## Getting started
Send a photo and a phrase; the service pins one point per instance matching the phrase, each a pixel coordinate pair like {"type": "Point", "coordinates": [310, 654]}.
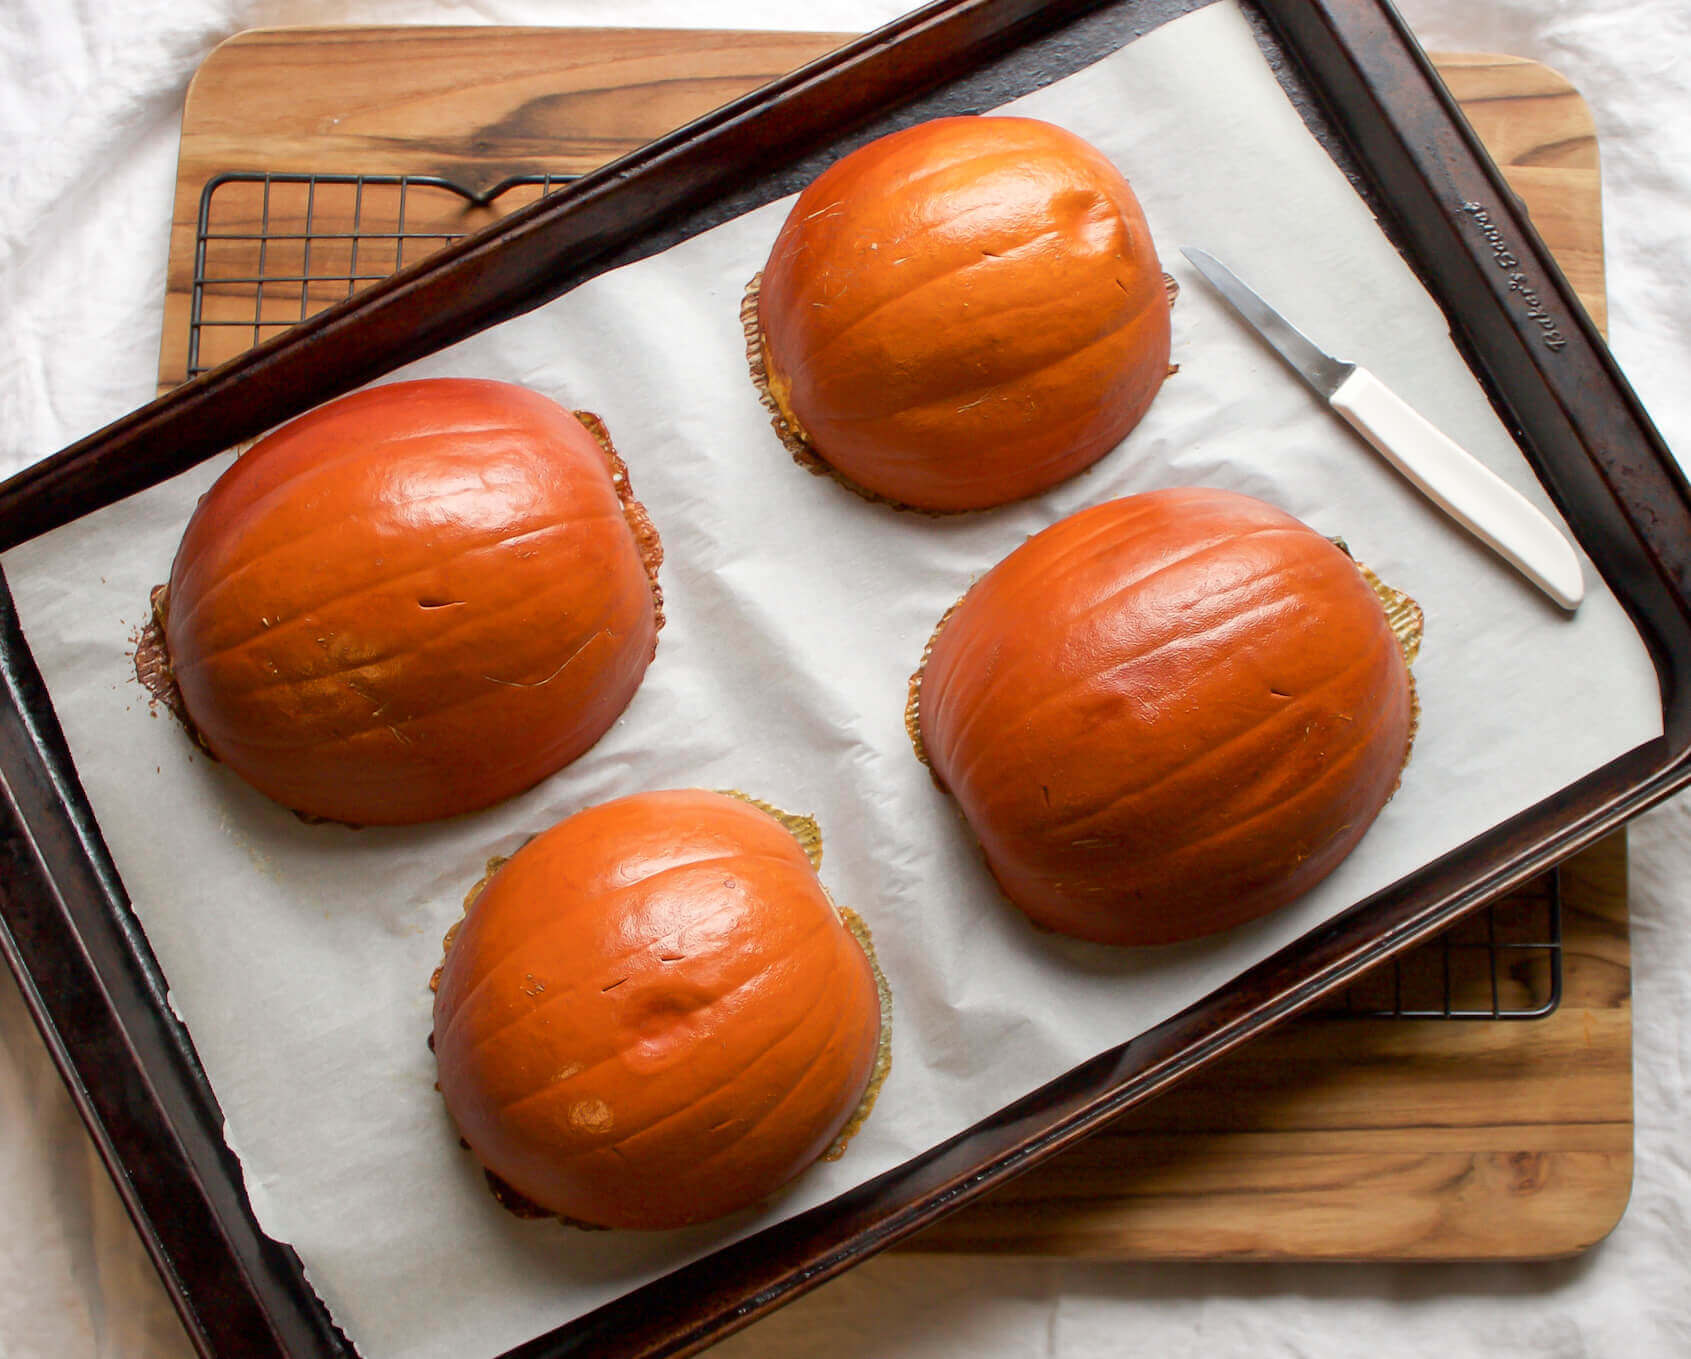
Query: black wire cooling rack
{"type": "Point", "coordinates": [1502, 962]}
{"type": "Point", "coordinates": [275, 248]}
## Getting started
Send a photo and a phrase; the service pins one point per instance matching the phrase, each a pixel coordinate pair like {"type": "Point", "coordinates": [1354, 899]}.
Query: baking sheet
{"type": "Point", "coordinates": [299, 955]}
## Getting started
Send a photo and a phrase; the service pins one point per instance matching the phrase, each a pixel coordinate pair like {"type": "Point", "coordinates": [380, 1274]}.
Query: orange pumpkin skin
{"type": "Point", "coordinates": [1166, 715]}
{"type": "Point", "coordinates": [652, 1015]}
{"type": "Point", "coordinates": [965, 313]}
{"type": "Point", "coordinates": [410, 603]}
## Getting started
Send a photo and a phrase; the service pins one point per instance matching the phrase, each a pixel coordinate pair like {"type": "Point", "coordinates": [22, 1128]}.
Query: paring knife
{"type": "Point", "coordinates": [1464, 488]}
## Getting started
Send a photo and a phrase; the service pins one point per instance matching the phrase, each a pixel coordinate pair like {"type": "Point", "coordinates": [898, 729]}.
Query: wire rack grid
{"type": "Point", "coordinates": [272, 249]}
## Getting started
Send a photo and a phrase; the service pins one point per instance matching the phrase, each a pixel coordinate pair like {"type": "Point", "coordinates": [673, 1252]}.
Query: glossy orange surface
{"type": "Point", "coordinates": [652, 1015]}
{"type": "Point", "coordinates": [1167, 714]}
{"type": "Point", "coordinates": [411, 602]}
{"type": "Point", "coordinates": [965, 312]}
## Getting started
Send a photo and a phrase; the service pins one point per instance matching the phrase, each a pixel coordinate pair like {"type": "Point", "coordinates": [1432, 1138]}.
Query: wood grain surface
{"type": "Point", "coordinates": [1330, 1138]}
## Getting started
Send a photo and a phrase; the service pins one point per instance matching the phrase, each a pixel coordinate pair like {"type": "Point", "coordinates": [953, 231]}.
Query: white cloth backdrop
{"type": "Point", "coordinates": [90, 98]}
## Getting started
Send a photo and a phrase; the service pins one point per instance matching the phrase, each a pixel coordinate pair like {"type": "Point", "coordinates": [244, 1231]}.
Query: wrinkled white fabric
{"type": "Point", "coordinates": [90, 97]}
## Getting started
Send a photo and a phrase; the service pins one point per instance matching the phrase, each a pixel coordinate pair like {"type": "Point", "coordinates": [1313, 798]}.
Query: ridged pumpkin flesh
{"type": "Point", "coordinates": [652, 1015]}
{"type": "Point", "coordinates": [965, 312]}
{"type": "Point", "coordinates": [1166, 715]}
{"type": "Point", "coordinates": [412, 602]}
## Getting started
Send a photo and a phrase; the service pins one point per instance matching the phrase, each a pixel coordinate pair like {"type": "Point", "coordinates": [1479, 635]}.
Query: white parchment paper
{"type": "Point", "coordinates": [299, 955]}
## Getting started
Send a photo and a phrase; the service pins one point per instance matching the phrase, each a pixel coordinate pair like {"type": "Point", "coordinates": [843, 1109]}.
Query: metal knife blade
{"type": "Point", "coordinates": [1447, 474]}
{"type": "Point", "coordinates": [1315, 366]}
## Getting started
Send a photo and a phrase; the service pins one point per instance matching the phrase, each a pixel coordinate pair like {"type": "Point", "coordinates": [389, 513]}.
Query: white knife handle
{"type": "Point", "coordinates": [1468, 491]}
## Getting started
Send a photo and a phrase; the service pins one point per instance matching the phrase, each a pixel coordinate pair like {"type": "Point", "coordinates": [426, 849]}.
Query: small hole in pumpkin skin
{"type": "Point", "coordinates": [429, 602]}
{"type": "Point", "coordinates": [1279, 693]}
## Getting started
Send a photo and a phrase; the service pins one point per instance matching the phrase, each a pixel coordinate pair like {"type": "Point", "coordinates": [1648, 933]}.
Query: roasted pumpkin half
{"type": "Point", "coordinates": [412, 602]}
{"type": "Point", "coordinates": [964, 313]}
{"type": "Point", "coordinates": [652, 1014]}
{"type": "Point", "coordinates": [1167, 714]}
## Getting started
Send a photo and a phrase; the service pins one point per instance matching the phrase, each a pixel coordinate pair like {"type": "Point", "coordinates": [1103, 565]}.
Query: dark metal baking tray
{"type": "Point", "coordinates": [1366, 91]}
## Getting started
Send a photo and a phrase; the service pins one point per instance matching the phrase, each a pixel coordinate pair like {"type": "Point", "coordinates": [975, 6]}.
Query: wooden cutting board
{"type": "Point", "coordinates": [1334, 1138]}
